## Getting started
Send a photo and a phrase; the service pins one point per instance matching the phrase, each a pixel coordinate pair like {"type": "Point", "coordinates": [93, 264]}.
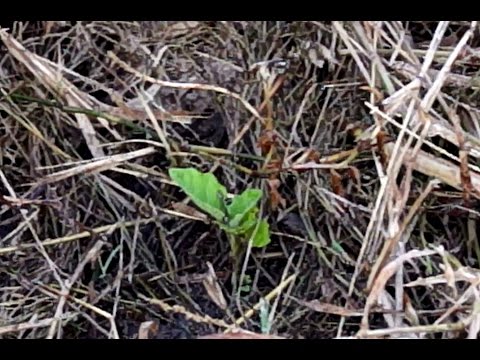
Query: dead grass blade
{"type": "Point", "coordinates": [458, 326]}
{"type": "Point", "coordinates": [56, 85]}
{"type": "Point", "coordinates": [77, 236]}
{"type": "Point", "coordinates": [438, 168]}
{"type": "Point", "coordinates": [385, 274]}
{"type": "Point", "coordinates": [474, 328]}
{"type": "Point", "coordinates": [353, 49]}
{"type": "Point", "coordinates": [96, 166]}
{"type": "Point", "coordinates": [91, 256]}
{"type": "Point", "coordinates": [327, 308]}
{"type": "Point", "coordinates": [35, 324]}
{"type": "Point", "coordinates": [213, 289]}
{"type": "Point", "coordinates": [55, 293]}
{"type": "Point", "coordinates": [392, 242]}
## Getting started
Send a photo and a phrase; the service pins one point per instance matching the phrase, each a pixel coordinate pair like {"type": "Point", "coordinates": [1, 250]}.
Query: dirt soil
{"type": "Point", "coordinates": [363, 137]}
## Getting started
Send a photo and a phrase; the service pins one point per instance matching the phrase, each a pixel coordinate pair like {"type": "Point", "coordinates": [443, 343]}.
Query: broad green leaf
{"type": "Point", "coordinates": [262, 236]}
{"type": "Point", "coordinates": [241, 205]}
{"type": "Point", "coordinates": [248, 223]}
{"type": "Point", "coordinates": [203, 188]}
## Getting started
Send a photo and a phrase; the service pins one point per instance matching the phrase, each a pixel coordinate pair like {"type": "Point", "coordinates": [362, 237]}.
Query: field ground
{"type": "Point", "coordinates": [363, 136]}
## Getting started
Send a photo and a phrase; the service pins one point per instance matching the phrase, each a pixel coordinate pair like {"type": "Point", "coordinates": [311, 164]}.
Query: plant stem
{"type": "Point", "coordinates": [234, 253]}
{"type": "Point", "coordinates": [77, 110]}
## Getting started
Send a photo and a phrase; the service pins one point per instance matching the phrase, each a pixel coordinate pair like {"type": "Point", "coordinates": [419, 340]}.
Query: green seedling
{"type": "Point", "coordinates": [237, 216]}
{"type": "Point", "coordinates": [246, 285]}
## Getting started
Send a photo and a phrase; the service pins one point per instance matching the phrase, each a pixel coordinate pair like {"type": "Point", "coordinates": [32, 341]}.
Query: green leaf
{"type": "Point", "coordinates": [337, 247]}
{"type": "Point", "coordinates": [245, 226]}
{"type": "Point", "coordinates": [246, 284]}
{"type": "Point", "coordinates": [262, 236]}
{"type": "Point", "coordinates": [203, 188]}
{"type": "Point", "coordinates": [241, 206]}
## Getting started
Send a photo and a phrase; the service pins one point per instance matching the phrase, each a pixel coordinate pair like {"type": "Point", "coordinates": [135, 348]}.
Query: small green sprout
{"type": "Point", "coordinates": [236, 216]}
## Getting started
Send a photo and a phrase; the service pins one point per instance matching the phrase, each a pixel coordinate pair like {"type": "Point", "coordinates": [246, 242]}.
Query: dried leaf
{"type": "Point", "coordinates": [134, 110]}
{"type": "Point", "coordinates": [330, 308]}
{"type": "Point", "coordinates": [147, 329]}
{"type": "Point", "coordinates": [354, 174]}
{"type": "Point", "coordinates": [313, 155]}
{"type": "Point", "coordinates": [266, 141]}
{"type": "Point", "coordinates": [275, 196]}
{"type": "Point", "coordinates": [336, 183]}
{"type": "Point", "coordinates": [381, 139]}
{"type": "Point", "coordinates": [210, 282]}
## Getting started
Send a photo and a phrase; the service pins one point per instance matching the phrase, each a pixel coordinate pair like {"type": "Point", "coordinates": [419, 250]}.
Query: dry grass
{"type": "Point", "coordinates": [364, 137]}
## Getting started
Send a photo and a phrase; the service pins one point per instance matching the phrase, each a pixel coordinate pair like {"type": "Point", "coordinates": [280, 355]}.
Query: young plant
{"type": "Point", "coordinates": [236, 216]}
